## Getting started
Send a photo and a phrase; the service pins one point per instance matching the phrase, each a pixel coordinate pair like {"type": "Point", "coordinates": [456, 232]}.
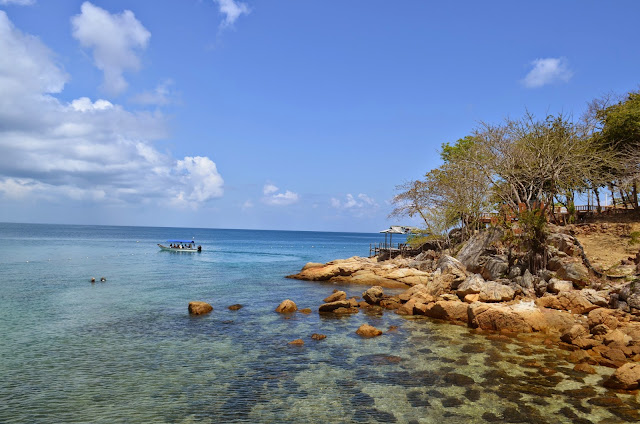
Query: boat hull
{"type": "Point", "coordinates": [173, 249]}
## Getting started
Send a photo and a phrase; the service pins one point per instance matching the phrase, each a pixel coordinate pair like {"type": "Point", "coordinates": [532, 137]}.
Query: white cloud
{"type": "Point", "coordinates": [231, 10]}
{"type": "Point", "coordinates": [248, 204]}
{"type": "Point", "coordinates": [84, 149]}
{"type": "Point", "coordinates": [357, 205]}
{"type": "Point", "coordinates": [272, 197]}
{"type": "Point", "coordinates": [548, 71]}
{"type": "Point", "coordinates": [115, 40]}
{"type": "Point", "coordinates": [201, 176]}
{"type": "Point", "coordinates": [269, 189]}
{"type": "Point", "coordinates": [161, 95]}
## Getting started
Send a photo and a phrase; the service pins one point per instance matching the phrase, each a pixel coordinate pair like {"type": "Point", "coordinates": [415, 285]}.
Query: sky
{"type": "Point", "coordinates": [279, 114]}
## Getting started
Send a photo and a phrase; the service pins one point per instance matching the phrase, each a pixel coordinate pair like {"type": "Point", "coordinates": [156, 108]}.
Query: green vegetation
{"type": "Point", "coordinates": [521, 166]}
{"type": "Point", "coordinates": [634, 238]}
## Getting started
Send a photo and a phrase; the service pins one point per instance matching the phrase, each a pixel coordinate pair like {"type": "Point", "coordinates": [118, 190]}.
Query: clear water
{"type": "Point", "coordinates": [127, 350]}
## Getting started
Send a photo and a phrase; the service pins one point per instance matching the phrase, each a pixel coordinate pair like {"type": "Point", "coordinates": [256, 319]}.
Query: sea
{"type": "Point", "coordinates": [127, 351]}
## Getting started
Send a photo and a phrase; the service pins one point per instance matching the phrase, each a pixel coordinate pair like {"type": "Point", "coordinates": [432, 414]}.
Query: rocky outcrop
{"type": "Point", "coordinates": [368, 331]}
{"type": "Point", "coordinates": [286, 307]}
{"type": "Point", "coordinates": [199, 308]}
{"type": "Point", "coordinates": [374, 295]}
{"type": "Point", "coordinates": [572, 269]}
{"type": "Point", "coordinates": [447, 310]}
{"type": "Point", "coordinates": [575, 301]}
{"type": "Point", "coordinates": [487, 291]}
{"type": "Point", "coordinates": [477, 246]}
{"type": "Point", "coordinates": [335, 296]}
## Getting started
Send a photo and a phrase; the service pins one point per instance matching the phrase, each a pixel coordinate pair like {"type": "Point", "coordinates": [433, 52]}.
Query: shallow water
{"type": "Point", "coordinates": [127, 351]}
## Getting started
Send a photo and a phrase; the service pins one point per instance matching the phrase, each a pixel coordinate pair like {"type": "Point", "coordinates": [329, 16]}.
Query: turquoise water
{"type": "Point", "coordinates": [127, 350]}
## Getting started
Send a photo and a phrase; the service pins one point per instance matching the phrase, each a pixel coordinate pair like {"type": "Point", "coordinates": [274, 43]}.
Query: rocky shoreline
{"type": "Point", "coordinates": [480, 286]}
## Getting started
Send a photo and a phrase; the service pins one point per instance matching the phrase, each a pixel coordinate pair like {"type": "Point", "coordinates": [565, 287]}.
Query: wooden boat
{"type": "Point", "coordinates": [181, 246]}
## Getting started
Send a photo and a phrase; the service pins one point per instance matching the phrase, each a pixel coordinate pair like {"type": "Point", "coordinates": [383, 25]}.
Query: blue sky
{"type": "Point", "coordinates": [300, 115]}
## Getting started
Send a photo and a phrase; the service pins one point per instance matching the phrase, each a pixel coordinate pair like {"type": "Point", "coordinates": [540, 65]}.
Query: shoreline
{"type": "Point", "coordinates": [568, 314]}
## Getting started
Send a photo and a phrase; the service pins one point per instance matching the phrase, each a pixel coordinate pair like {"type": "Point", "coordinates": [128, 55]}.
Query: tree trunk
{"type": "Point", "coordinates": [595, 191]}
{"type": "Point", "coordinates": [635, 195]}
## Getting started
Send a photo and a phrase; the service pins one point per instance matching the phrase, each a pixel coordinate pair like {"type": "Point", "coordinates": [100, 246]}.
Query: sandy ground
{"type": "Point", "coordinates": [607, 244]}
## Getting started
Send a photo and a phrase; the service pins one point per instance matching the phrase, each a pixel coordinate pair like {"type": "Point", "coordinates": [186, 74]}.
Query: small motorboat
{"type": "Point", "coordinates": [181, 246]}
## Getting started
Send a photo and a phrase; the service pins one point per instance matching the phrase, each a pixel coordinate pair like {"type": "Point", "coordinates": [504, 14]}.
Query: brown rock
{"type": "Point", "coordinates": [338, 295]}
{"type": "Point", "coordinates": [585, 368]}
{"type": "Point", "coordinates": [586, 342]}
{"type": "Point", "coordinates": [627, 377]}
{"type": "Point", "coordinates": [390, 303]}
{"type": "Point", "coordinates": [373, 295]}
{"type": "Point", "coordinates": [366, 330]}
{"type": "Point", "coordinates": [235, 307]}
{"type": "Point", "coordinates": [287, 306]}
{"type": "Point", "coordinates": [345, 311]}
{"type": "Point", "coordinates": [617, 336]}
{"type": "Point", "coordinates": [470, 298]}
{"type": "Point", "coordinates": [573, 301]}
{"type": "Point", "coordinates": [521, 318]}
{"type": "Point", "coordinates": [317, 336]}
{"type": "Point", "coordinates": [297, 342]}
{"type": "Point", "coordinates": [577, 331]}
{"type": "Point", "coordinates": [580, 356]}
{"type": "Point", "coordinates": [305, 311]}
{"type": "Point", "coordinates": [407, 308]}
{"type": "Point", "coordinates": [616, 355]}
{"type": "Point", "coordinates": [448, 310]}
{"type": "Point", "coordinates": [572, 269]}
{"type": "Point", "coordinates": [330, 307]}
{"type": "Point", "coordinates": [199, 308]}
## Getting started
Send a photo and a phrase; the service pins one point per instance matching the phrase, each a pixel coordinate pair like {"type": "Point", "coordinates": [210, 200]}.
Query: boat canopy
{"type": "Point", "coordinates": [180, 241]}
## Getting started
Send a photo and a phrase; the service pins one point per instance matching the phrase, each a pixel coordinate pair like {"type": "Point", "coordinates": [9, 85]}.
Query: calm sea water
{"type": "Point", "coordinates": [127, 351]}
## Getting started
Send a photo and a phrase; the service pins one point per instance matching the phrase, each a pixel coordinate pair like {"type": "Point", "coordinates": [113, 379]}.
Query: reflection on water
{"type": "Point", "coordinates": [127, 351]}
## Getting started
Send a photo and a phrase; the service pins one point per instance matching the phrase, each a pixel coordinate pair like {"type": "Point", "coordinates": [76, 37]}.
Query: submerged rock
{"type": "Point", "coordinates": [199, 308]}
{"type": "Point", "coordinates": [235, 307]}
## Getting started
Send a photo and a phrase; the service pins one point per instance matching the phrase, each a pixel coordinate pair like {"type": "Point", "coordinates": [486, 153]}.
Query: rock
{"type": "Point", "coordinates": [311, 265]}
{"type": "Point", "coordinates": [390, 303]}
{"type": "Point", "coordinates": [524, 317]}
{"type": "Point", "coordinates": [297, 342]}
{"type": "Point", "coordinates": [341, 267]}
{"type": "Point", "coordinates": [287, 306]}
{"type": "Point", "coordinates": [564, 243]}
{"type": "Point", "coordinates": [441, 284]}
{"type": "Point", "coordinates": [93, 279]}
{"type": "Point", "coordinates": [574, 333]}
{"type": "Point", "coordinates": [488, 291]}
{"type": "Point", "coordinates": [373, 296]}
{"type": "Point", "coordinates": [368, 277]}
{"type": "Point", "coordinates": [345, 311]}
{"type": "Point", "coordinates": [366, 330]}
{"type": "Point", "coordinates": [584, 368]}
{"type": "Point", "coordinates": [407, 308]}
{"type": "Point", "coordinates": [305, 311]}
{"type": "Point", "coordinates": [594, 297]}
{"type": "Point", "coordinates": [470, 298]}
{"type": "Point", "coordinates": [572, 269]}
{"type": "Point", "coordinates": [618, 337]}
{"type": "Point", "coordinates": [627, 377]}
{"type": "Point", "coordinates": [557, 286]}
{"type": "Point", "coordinates": [448, 310]}
{"type": "Point", "coordinates": [586, 342]}
{"type": "Point", "coordinates": [199, 308]}
{"type": "Point", "coordinates": [332, 306]}
{"type": "Point", "coordinates": [573, 301]}
{"type": "Point", "coordinates": [317, 336]}
{"type": "Point", "coordinates": [338, 295]}
{"type": "Point", "coordinates": [418, 292]}
{"type": "Point", "coordinates": [449, 264]}
{"type": "Point", "coordinates": [235, 307]}
{"type": "Point", "coordinates": [495, 267]}
{"type": "Point", "coordinates": [477, 246]}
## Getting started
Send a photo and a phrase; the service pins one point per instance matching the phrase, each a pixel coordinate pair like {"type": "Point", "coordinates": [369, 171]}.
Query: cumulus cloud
{"type": "Point", "coordinates": [231, 10]}
{"type": "Point", "coordinates": [548, 71]}
{"type": "Point", "coordinates": [84, 149]}
{"type": "Point", "coordinates": [273, 196]}
{"type": "Point", "coordinates": [115, 40]}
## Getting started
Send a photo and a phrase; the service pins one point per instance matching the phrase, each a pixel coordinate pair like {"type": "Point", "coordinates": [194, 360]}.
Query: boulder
{"type": "Point", "coordinates": [572, 269]}
{"type": "Point", "coordinates": [488, 291]}
{"type": "Point", "coordinates": [199, 308]}
{"type": "Point", "coordinates": [235, 307]}
{"type": "Point", "coordinates": [297, 342]}
{"type": "Point", "coordinates": [573, 301]}
{"type": "Point", "coordinates": [407, 308]}
{"type": "Point", "coordinates": [564, 243]}
{"type": "Point", "coordinates": [627, 377]}
{"type": "Point", "coordinates": [338, 295]}
{"type": "Point", "coordinates": [556, 286]}
{"type": "Point", "coordinates": [575, 332]}
{"type": "Point", "coordinates": [418, 292]}
{"type": "Point", "coordinates": [342, 267]}
{"type": "Point", "coordinates": [495, 267]}
{"type": "Point", "coordinates": [477, 246]}
{"type": "Point", "coordinates": [524, 317]}
{"type": "Point", "coordinates": [617, 337]}
{"type": "Point", "coordinates": [373, 296]}
{"type": "Point", "coordinates": [595, 297]}
{"type": "Point", "coordinates": [368, 277]}
{"type": "Point", "coordinates": [317, 336]}
{"type": "Point", "coordinates": [286, 307]}
{"type": "Point", "coordinates": [332, 306]}
{"type": "Point", "coordinates": [448, 265]}
{"type": "Point", "coordinates": [441, 283]}
{"type": "Point", "coordinates": [448, 310]}
{"type": "Point", "coordinates": [366, 330]}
